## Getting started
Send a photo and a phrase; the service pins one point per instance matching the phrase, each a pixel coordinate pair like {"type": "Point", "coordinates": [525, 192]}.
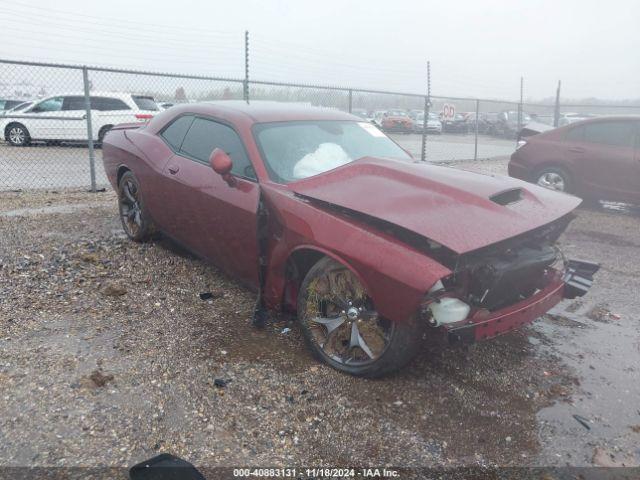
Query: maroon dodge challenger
{"type": "Point", "coordinates": [325, 216]}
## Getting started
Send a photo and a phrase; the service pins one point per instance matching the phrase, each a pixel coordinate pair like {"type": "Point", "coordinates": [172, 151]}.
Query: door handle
{"type": "Point", "coordinates": [577, 149]}
{"type": "Point", "coordinates": [173, 169]}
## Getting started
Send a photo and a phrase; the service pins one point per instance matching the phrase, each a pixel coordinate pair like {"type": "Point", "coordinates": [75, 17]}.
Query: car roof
{"type": "Point", "coordinates": [605, 118]}
{"type": "Point", "coordinates": [263, 111]}
{"type": "Point", "coordinates": [97, 94]}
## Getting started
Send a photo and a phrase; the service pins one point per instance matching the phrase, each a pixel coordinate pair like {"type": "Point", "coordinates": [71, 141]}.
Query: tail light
{"type": "Point", "coordinates": [144, 116]}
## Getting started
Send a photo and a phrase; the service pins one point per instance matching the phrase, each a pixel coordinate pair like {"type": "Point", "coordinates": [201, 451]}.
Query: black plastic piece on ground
{"type": "Point", "coordinates": [578, 277]}
{"type": "Point", "coordinates": [165, 467]}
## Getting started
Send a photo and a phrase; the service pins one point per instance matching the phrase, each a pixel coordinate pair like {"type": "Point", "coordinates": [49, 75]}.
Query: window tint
{"type": "Point", "coordinates": [7, 104]}
{"type": "Point", "coordinates": [73, 103]}
{"type": "Point", "coordinates": [145, 103]}
{"type": "Point", "coordinates": [174, 133]}
{"type": "Point", "coordinates": [575, 134]}
{"type": "Point", "coordinates": [619, 134]}
{"type": "Point", "coordinates": [206, 135]}
{"type": "Point", "coordinates": [50, 105]}
{"type": "Point", "coordinates": [104, 104]}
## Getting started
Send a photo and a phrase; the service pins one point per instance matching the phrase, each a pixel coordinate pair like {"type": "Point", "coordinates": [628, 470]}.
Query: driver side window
{"type": "Point", "coordinates": [50, 105]}
{"type": "Point", "coordinates": [206, 135]}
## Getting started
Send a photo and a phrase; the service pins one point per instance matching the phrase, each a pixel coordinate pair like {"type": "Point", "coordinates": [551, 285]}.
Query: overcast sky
{"type": "Point", "coordinates": [476, 47]}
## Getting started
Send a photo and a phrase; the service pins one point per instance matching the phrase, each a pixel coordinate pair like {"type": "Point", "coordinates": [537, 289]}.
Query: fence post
{"type": "Point", "coordinates": [350, 100]}
{"type": "Point", "coordinates": [425, 120]}
{"type": "Point", "coordinates": [556, 110]}
{"type": "Point", "coordinates": [520, 108]}
{"type": "Point", "coordinates": [475, 147]}
{"type": "Point", "coordinates": [87, 109]}
{"type": "Point", "coordinates": [245, 92]}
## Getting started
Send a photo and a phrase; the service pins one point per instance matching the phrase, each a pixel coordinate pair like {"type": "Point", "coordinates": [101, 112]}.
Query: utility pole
{"type": "Point", "coordinates": [520, 109]}
{"type": "Point", "coordinates": [427, 105]}
{"type": "Point", "coordinates": [245, 85]}
{"type": "Point", "coordinates": [556, 110]}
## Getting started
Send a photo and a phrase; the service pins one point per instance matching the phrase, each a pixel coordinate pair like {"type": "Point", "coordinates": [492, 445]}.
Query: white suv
{"type": "Point", "coordinates": [64, 118]}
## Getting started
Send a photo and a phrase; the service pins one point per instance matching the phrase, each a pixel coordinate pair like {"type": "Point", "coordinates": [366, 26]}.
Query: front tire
{"type": "Point", "coordinates": [136, 222]}
{"type": "Point", "coordinates": [342, 328]}
{"type": "Point", "coordinates": [17, 135]}
{"type": "Point", "coordinates": [554, 178]}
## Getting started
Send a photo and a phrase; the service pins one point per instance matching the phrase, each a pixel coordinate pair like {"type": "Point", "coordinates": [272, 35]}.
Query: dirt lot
{"type": "Point", "coordinates": [109, 356]}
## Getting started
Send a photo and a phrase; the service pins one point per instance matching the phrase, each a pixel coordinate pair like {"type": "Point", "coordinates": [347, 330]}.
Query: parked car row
{"type": "Point", "coordinates": [61, 118]}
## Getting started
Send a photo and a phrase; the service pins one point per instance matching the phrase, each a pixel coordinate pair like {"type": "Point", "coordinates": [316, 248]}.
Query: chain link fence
{"type": "Point", "coordinates": [52, 139]}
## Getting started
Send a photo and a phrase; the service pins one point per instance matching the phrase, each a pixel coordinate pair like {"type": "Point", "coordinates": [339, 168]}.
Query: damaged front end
{"type": "Point", "coordinates": [497, 289]}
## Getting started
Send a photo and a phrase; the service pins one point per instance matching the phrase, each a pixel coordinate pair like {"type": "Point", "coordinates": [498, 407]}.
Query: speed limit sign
{"type": "Point", "coordinates": [448, 111]}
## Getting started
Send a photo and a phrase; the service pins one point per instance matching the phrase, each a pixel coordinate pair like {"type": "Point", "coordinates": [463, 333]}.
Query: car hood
{"type": "Point", "coordinates": [461, 210]}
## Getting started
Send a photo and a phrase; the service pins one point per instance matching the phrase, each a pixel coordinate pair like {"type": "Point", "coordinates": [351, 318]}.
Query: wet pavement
{"type": "Point", "coordinates": [109, 356]}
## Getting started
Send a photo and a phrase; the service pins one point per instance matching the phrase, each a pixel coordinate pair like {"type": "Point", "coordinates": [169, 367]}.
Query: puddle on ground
{"type": "Point", "coordinates": [606, 359]}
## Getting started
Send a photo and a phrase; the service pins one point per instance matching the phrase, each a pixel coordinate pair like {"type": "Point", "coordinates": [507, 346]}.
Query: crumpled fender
{"type": "Point", "coordinates": [395, 275]}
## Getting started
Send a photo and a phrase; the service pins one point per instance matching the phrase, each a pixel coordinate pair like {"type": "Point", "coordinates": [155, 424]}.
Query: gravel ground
{"type": "Point", "coordinates": [108, 356]}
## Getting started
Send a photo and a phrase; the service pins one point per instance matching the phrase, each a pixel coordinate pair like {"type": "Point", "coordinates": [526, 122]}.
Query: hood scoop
{"type": "Point", "coordinates": [460, 210]}
{"type": "Point", "coordinates": [507, 197]}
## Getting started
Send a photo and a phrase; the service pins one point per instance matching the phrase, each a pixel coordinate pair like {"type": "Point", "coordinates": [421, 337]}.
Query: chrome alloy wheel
{"type": "Point", "coordinates": [130, 210]}
{"type": "Point", "coordinates": [342, 320]}
{"type": "Point", "coordinates": [553, 181]}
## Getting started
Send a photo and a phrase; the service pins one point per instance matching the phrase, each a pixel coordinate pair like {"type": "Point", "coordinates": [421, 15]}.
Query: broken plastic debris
{"type": "Point", "coordinates": [220, 382]}
{"type": "Point", "coordinates": [582, 421]}
{"type": "Point", "coordinates": [286, 330]}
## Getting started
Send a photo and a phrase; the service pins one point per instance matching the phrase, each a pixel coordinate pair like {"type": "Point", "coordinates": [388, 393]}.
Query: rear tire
{"type": "Point", "coordinates": [342, 328]}
{"type": "Point", "coordinates": [554, 178]}
{"type": "Point", "coordinates": [136, 222]}
{"type": "Point", "coordinates": [17, 135]}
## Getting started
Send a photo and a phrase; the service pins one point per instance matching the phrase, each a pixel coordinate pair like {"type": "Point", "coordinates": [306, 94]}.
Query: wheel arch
{"type": "Point", "coordinates": [122, 169]}
{"type": "Point", "coordinates": [551, 164]}
{"type": "Point", "coordinates": [11, 124]}
{"type": "Point", "coordinates": [302, 258]}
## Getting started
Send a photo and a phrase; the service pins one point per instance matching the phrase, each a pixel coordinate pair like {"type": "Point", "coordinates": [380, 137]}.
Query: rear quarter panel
{"type": "Point", "coordinates": [142, 152]}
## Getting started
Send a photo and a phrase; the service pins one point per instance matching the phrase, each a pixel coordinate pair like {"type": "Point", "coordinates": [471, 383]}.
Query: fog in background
{"type": "Point", "coordinates": [476, 48]}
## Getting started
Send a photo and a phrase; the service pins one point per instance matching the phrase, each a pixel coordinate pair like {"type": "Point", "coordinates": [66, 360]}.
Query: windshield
{"type": "Point", "coordinates": [296, 150]}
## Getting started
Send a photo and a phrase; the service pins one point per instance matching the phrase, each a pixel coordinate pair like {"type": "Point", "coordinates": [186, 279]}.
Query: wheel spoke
{"type": "Point", "coordinates": [329, 323]}
{"type": "Point", "coordinates": [127, 193]}
{"type": "Point", "coordinates": [136, 218]}
{"type": "Point", "coordinates": [357, 340]}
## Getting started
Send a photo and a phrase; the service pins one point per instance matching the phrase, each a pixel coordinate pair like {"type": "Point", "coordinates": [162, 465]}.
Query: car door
{"type": "Point", "coordinates": [216, 220]}
{"type": "Point", "coordinates": [602, 155]}
{"type": "Point", "coordinates": [74, 118]}
{"type": "Point", "coordinates": [43, 120]}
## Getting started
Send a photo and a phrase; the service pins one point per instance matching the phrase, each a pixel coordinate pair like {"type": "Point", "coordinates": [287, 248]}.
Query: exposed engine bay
{"type": "Point", "coordinates": [508, 272]}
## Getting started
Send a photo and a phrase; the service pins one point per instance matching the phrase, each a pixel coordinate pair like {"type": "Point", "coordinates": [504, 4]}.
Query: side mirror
{"type": "Point", "coordinates": [222, 165]}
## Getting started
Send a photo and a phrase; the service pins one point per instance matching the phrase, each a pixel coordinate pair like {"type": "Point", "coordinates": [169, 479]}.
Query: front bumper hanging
{"type": "Point", "coordinates": [482, 324]}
